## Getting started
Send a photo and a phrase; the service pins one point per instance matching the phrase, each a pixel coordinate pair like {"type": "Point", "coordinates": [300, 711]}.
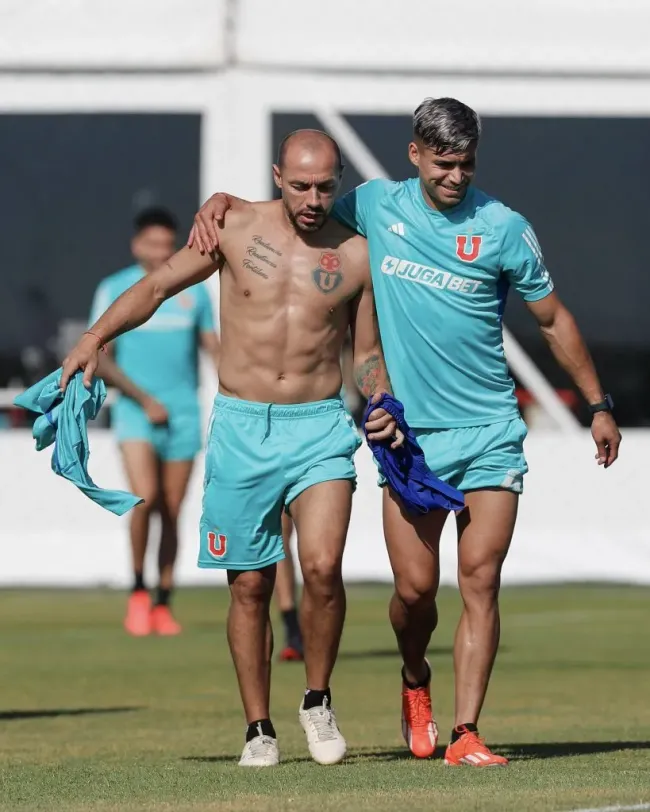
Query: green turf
{"type": "Point", "coordinates": [93, 720]}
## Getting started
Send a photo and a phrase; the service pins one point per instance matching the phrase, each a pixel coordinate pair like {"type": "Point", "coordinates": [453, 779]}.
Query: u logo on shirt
{"type": "Point", "coordinates": [461, 248]}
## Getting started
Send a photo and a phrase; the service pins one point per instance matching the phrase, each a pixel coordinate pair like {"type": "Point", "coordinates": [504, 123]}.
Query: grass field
{"type": "Point", "coordinates": [93, 720]}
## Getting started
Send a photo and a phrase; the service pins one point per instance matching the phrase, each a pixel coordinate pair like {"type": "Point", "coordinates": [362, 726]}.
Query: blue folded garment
{"type": "Point", "coordinates": [63, 422]}
{"type": "Point", "coordinates": [405, 469]}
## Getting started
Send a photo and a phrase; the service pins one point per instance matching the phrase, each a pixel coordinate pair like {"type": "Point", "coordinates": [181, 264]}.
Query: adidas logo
{"type": "Point", "coordinates": [398, 228]}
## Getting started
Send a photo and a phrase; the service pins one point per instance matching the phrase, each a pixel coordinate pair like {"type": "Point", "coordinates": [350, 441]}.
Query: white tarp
{"type": "Point", "coordinates": [538, 36]}
{"type": "Point", "coordinates": [546, 36]}
{"type": "Point", "coordinates": [577, 522]}
{"type": "Point", "coordinates": [112, 34]}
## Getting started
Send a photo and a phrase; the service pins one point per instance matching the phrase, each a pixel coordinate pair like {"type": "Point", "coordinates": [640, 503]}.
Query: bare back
{"type": "Point", "coordinates": [286, 304]}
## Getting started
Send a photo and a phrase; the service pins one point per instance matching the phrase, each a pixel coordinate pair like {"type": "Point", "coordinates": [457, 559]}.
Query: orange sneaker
{"type": "Point", "coordinates": [138, 621]}
{"type": "Point", "coordinates": [289, 654]}
{"type": "Point", "coordinates": [471, 750]}
{"type": "Point", "coordinates": [163, 623]}
{"type": "Point", "coordinates": [418, 726]}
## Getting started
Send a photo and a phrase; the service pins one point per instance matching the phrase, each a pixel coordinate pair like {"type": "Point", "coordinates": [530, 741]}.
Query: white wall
{"type": "Point", "coordinates": [577, 522]}
{"type": "Point", "coordinates": [112, 34]}
{"type": "Point", "coordinates": [545, 36]}
{"type": "Point", "coordinates": [539, 36]}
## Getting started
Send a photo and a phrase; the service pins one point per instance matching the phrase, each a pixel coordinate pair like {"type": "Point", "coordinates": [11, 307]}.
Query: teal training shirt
{"type": "Point", "coordinates": [160, 356]}
{"type": "Point", "coordinates": [63, 423]}
{"type": "Point", "coordinates": [441, 280]}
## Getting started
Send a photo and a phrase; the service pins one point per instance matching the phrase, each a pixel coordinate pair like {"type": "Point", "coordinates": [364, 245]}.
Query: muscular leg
{"type": "Point", "coordinates": [141, 466]}
{"type": "Point", "coordinates": [485, 529]}
{"type": "Point", "coordinates": [249, 637]}
{"type": "Point", "coordinates": [175, 478]}
{"type": "Point", "coordinates": [412, 545]}
{"type": "Point", "coordinates": [322, 516]}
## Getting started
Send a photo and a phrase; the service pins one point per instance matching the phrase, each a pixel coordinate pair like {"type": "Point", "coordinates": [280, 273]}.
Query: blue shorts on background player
{"type": "Point", "coordinates": [156, 417]}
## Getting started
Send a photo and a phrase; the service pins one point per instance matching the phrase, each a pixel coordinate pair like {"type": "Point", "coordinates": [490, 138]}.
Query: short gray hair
{"type": "Point", "coordinates": [446, 125]}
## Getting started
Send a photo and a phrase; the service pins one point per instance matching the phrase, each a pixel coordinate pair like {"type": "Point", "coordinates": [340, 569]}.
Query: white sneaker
{"type": "Point", "coordinates": [262, 751]}
{"type": "Point", "coordinates": [326, 744]}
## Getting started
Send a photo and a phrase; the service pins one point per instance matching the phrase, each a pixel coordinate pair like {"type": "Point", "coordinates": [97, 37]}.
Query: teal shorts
{"type": "Point", "coordinates": [179, 439]}
{"type": "Point", "coordinates": [478, 456]}
{"type": "Point", "coordinates": [259, 458]}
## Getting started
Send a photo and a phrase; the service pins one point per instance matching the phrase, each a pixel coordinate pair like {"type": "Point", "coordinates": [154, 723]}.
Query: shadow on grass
{"type": "Point", "coordinates": [542, 750]}
{"type": "Point", "coordinates": [514, 752]}
{"type": "Point", "coordinates": [356, 756]}
{"type": "Point", "coordinates": [10, 715]}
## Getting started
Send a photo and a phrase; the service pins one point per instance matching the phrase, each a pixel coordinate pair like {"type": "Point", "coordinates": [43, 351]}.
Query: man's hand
{"type": "Point", "coordinates": [85, 356]}
{"type": "Point", "coordinates": [607, 438]}
{"type": "Point", "coordinates": [382, 426]}
{"type": "Point", "coordinates": [156, 413]}
{"type": "Point", "coordinates": [203, 232]}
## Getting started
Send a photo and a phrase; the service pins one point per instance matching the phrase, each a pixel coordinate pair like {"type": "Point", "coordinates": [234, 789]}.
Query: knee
{"type": "Point", "coordinates": [479, 579]}
{"type": "Point", "coordinates": [151, 500]}
{"type": "Point", "coordinates": [322, 573]}
{"type": "Point", "coordinates": [250, 589]}
{"type": "Point", "coordinates": [416, 589]}
{"type": "Point", "coordinates": [170, 510]}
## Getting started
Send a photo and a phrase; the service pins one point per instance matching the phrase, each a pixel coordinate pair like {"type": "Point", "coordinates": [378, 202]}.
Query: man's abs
{"type": "Point", "coordinates": [279, 383]}
{"type": "Point", "coordinates": [285, 312]}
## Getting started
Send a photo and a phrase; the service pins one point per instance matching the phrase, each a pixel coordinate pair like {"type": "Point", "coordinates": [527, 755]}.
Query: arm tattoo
{"type": "Point", "coordinates": [368, 373]}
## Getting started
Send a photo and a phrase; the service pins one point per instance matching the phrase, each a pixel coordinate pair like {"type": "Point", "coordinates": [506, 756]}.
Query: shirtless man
{"type": "Point", "coordinates": [292, 283]}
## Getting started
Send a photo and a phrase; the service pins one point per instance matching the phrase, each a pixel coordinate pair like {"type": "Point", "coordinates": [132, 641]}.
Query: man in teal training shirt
{"type": "Point", "coordinates": [156, 418]}
{"type": "Point", "coordinates": [443, 256]}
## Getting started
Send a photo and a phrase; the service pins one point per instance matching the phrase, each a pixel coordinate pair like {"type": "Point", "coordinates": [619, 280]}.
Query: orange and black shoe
{"type": "Point", "coordinates": [418, 725]}
{"type": "Point", "coordinates": [293, 651]}
{"type": "Point", "coordinates": [469, 749]}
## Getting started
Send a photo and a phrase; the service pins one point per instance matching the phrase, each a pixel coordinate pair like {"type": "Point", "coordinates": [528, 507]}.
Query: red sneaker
{"type": "Point", "coordinates": [289, 654]}
{"type": "Point", "coordinates": [138, 610]}
{"type": "Point", "coordinates": [418, 726]}
{"type": "Point", "coordinates": [163, 623]}
{"type": "Point", "coordinates": [472, 751]}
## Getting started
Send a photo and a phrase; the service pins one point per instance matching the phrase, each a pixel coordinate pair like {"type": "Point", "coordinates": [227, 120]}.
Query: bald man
{"type": "Point", "coordinates": [292, 283]}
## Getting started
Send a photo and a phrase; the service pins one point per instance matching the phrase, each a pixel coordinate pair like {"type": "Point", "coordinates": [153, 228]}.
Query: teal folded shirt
{"type": "Point", "coordinates": [63, 422]}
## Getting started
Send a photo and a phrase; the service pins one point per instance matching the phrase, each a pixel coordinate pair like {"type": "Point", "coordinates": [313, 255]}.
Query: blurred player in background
{"type": "Point", "coordinates": [156, 418]}
{"type": "Point", "coordinates": [443, 256]}
{"type": "Point", "coordinates": [285, 597]}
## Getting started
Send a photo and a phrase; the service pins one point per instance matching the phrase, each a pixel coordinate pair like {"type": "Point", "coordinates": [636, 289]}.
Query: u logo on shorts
{"type": "Point", "coordinates": [217, 544]}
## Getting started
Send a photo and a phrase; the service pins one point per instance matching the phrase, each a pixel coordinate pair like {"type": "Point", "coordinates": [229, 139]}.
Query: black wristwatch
{"type": "Point", "coordinates": [606, 405]}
